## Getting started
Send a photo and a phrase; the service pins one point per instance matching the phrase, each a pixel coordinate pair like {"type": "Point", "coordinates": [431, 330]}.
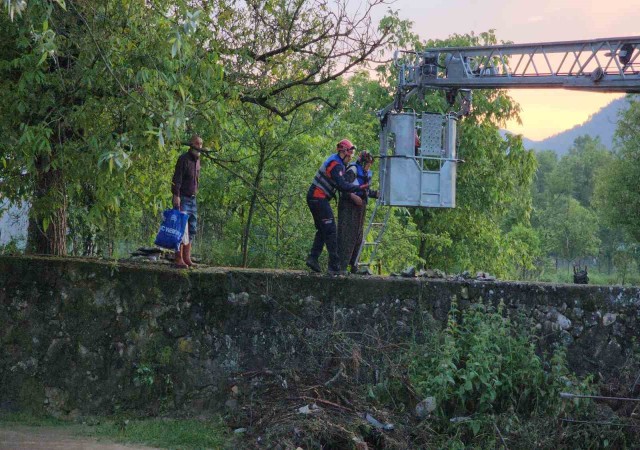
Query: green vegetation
{"type": "Point", "coordinates": [490, 388]}
{"type": "Point", "coordinates": [583, 205]}
{"type": "Point", "coordinates": [490, 385]}
{"type": "Point", "coordinates": [481, 368]}
{"type": "Point", "coordinates": [98, 116]}
{"type": "Point", "coordinates": [29, 419]}
{"type": "Point", "coordinates": [163, 433]}
{"type": "Point", "coordinates": [97, 100]}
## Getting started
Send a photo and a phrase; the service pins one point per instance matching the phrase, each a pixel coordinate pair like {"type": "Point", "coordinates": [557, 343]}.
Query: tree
{"type": "Point", "coordinates": [114, 87]}
{"type": "Point", "coordinates": [569, 230]}
{"type": "Point", "coordinates": [524, 248]}
{"type": "Point", "coordinates": [279, 53]}
{"type": "Point", "coordinates": [576, 171]}
{"type": "Point", "coordinates": [547, 161]}
{"type": "Point", "coordinates": [618, 185]}
{"type": "Point", "coordinates": [97, 93]}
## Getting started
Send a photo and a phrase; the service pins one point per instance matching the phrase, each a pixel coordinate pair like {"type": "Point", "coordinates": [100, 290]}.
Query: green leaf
{"type": "Point", "coordinates": [43, 58]}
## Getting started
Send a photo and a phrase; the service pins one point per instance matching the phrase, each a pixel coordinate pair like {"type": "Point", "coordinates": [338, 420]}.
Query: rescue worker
{"type": "Point", "coordinates": [328, 179]}
{"type": "Point", "coordinates": [352, 209]}
{"type": "Point", "coordinates": [184, 187]}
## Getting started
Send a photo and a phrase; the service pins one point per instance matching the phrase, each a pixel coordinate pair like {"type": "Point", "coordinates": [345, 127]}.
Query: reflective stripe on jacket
{"type": "Point", "coordinates": [323, 180]}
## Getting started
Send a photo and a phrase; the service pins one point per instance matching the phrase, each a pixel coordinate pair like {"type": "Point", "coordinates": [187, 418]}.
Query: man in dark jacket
{"type": "Point", "coordinates": [184, 188]}
{"type": "Point", "coordinates": [352, 210]}
{"type": "Point", "coordinates": [328, 179]}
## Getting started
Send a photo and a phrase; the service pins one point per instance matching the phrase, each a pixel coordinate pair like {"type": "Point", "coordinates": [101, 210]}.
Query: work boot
{"type": "Point", "coordinates": [178, 262]}
{"type": "Point", "coordinates": [313, 264]}
{"type": "Point", "coordinates": [336, 271]}
{"type": "Point", "coordinates": [186, 255]}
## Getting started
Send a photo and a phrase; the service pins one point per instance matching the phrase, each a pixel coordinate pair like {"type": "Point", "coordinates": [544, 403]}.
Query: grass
{"type": "Point", "coordinates": [30, 420]}
{"type": "Point", "coordinates": [595, 277]}
{"type": "Point", "coordinates": [163, 433]}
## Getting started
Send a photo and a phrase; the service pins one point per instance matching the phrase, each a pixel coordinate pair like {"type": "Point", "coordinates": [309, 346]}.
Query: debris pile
{"type": "Point", "coordinates": [286, 412]}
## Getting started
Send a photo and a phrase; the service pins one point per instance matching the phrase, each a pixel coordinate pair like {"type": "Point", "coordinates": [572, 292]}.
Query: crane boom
{"type": "Point", "coordinates": [605, 65]}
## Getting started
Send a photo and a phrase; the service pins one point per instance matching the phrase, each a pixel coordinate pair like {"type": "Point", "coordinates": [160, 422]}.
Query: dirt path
{"type": "Point", "coordinates": [55, 438]}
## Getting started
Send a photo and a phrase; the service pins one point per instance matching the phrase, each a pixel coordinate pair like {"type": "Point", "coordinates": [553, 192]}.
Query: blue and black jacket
{"type": "Point", "coordinates": [329, 178]}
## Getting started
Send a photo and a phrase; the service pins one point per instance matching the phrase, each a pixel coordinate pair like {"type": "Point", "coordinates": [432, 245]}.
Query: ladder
{"type": "Point", "coordinates": [376, 226]}
{"type": "Point", "coordinates": [377, 223]}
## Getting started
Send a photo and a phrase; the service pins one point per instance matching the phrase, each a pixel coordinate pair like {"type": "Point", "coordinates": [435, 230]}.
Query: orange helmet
{"type": "Point", "coordinates": [345, 144]}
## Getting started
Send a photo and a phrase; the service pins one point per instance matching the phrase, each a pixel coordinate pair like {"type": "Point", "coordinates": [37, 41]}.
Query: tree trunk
{"type": "Point", "coordinates": [252, 207]}
{"type": "Point", "coordinates": [48, 218]}
{"type": "Point", "coordinates": [278, 206]}
{"type": "Point", "coordinates": [422, 249]}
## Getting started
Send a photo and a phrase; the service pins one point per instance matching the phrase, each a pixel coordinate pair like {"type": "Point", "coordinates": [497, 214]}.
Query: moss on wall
{"type": "Point", "coordinates": [99, 336]}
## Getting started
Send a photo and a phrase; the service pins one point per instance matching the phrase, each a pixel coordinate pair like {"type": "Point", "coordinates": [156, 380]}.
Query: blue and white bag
{"type": "Point", "coordinates": [172, 229]}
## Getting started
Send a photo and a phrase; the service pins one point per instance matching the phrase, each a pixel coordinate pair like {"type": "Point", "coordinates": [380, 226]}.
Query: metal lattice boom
{"type": "Point", "coordinates": [605, 65]}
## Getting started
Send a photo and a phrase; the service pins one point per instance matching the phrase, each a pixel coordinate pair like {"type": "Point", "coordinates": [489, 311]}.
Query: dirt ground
{"type": "Point", "coordinates": [54, 438]}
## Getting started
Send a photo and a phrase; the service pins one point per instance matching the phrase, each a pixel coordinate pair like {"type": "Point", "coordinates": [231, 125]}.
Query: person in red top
{"type": "Point", "coordinates": [328, 179]}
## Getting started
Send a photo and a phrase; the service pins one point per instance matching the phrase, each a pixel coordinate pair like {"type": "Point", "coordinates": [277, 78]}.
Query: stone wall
{"type": "Point", "coordinates": [80, 336]}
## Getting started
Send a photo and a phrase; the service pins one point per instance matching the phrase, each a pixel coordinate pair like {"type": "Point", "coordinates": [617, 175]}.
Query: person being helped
{"type": "Point", "coordinates": [352, 209]}
{"type": "Point", "coordinates": [184, 187]}
{"type": "Point", "coordinates": [328, 180]}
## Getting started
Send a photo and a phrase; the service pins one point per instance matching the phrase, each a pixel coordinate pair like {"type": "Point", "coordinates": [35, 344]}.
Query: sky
{"type": "Point", "coordinates": [545, 112]}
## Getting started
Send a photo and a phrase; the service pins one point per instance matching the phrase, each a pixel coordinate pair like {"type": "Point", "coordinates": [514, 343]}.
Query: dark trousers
{"type": "Point", "coordinates": [325, 231]}
{"type": "Point", "coordinates": [350, 229]}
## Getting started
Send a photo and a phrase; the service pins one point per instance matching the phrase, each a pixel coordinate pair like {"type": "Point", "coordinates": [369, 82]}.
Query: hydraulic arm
{"type": "Point", "coordinates": [605, 65]}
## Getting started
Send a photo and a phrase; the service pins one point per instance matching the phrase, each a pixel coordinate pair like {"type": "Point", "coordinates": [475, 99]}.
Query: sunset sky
{"type": "Point", "coordinates": [544, 112]}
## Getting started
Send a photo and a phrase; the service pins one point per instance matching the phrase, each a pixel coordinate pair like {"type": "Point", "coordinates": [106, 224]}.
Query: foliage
{"type": "Point", "coordinates": [566, 216]}
{"type": "Point", "coordinates": [547, 161]}
{"type": "Point", "coordinates": [486, 365]}
{"type": "Point", "coordinates": [97, 99]}
{"type": "Point", "coordinates": [618, 188]}
{"type": "Point", "coordinates": [92, 128]}
{"type": "Point", "coordinates": [576, 172]}
{"type": "Point", "coordinates": [569, 230]}
{"type": "Point", "coordinates": [29, 419]}
{"type": "Point", "coordinates": [167, 433]}
{"type": "Point", "coordinates": [583, 203]}
{"type": "Point", "coordinates": [483, 371]}
{"type": "Point", "coordinates": [523, 247]}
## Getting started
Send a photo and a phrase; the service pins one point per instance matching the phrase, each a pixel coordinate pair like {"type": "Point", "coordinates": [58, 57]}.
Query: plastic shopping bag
{"type": "Point", "coordinates": [172, 229]}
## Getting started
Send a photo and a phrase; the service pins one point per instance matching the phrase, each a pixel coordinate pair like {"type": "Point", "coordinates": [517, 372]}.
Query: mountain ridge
{"type": "Point", "coordinates": [600, 124]}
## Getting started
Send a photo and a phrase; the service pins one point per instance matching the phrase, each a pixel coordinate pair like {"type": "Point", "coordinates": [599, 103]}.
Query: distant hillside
{"type": "Point", "coordinates": [602, 123]}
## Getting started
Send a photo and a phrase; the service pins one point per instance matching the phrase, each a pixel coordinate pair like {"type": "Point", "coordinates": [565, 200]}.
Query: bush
{"type": "Point", "coordinates": [484, 372]}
